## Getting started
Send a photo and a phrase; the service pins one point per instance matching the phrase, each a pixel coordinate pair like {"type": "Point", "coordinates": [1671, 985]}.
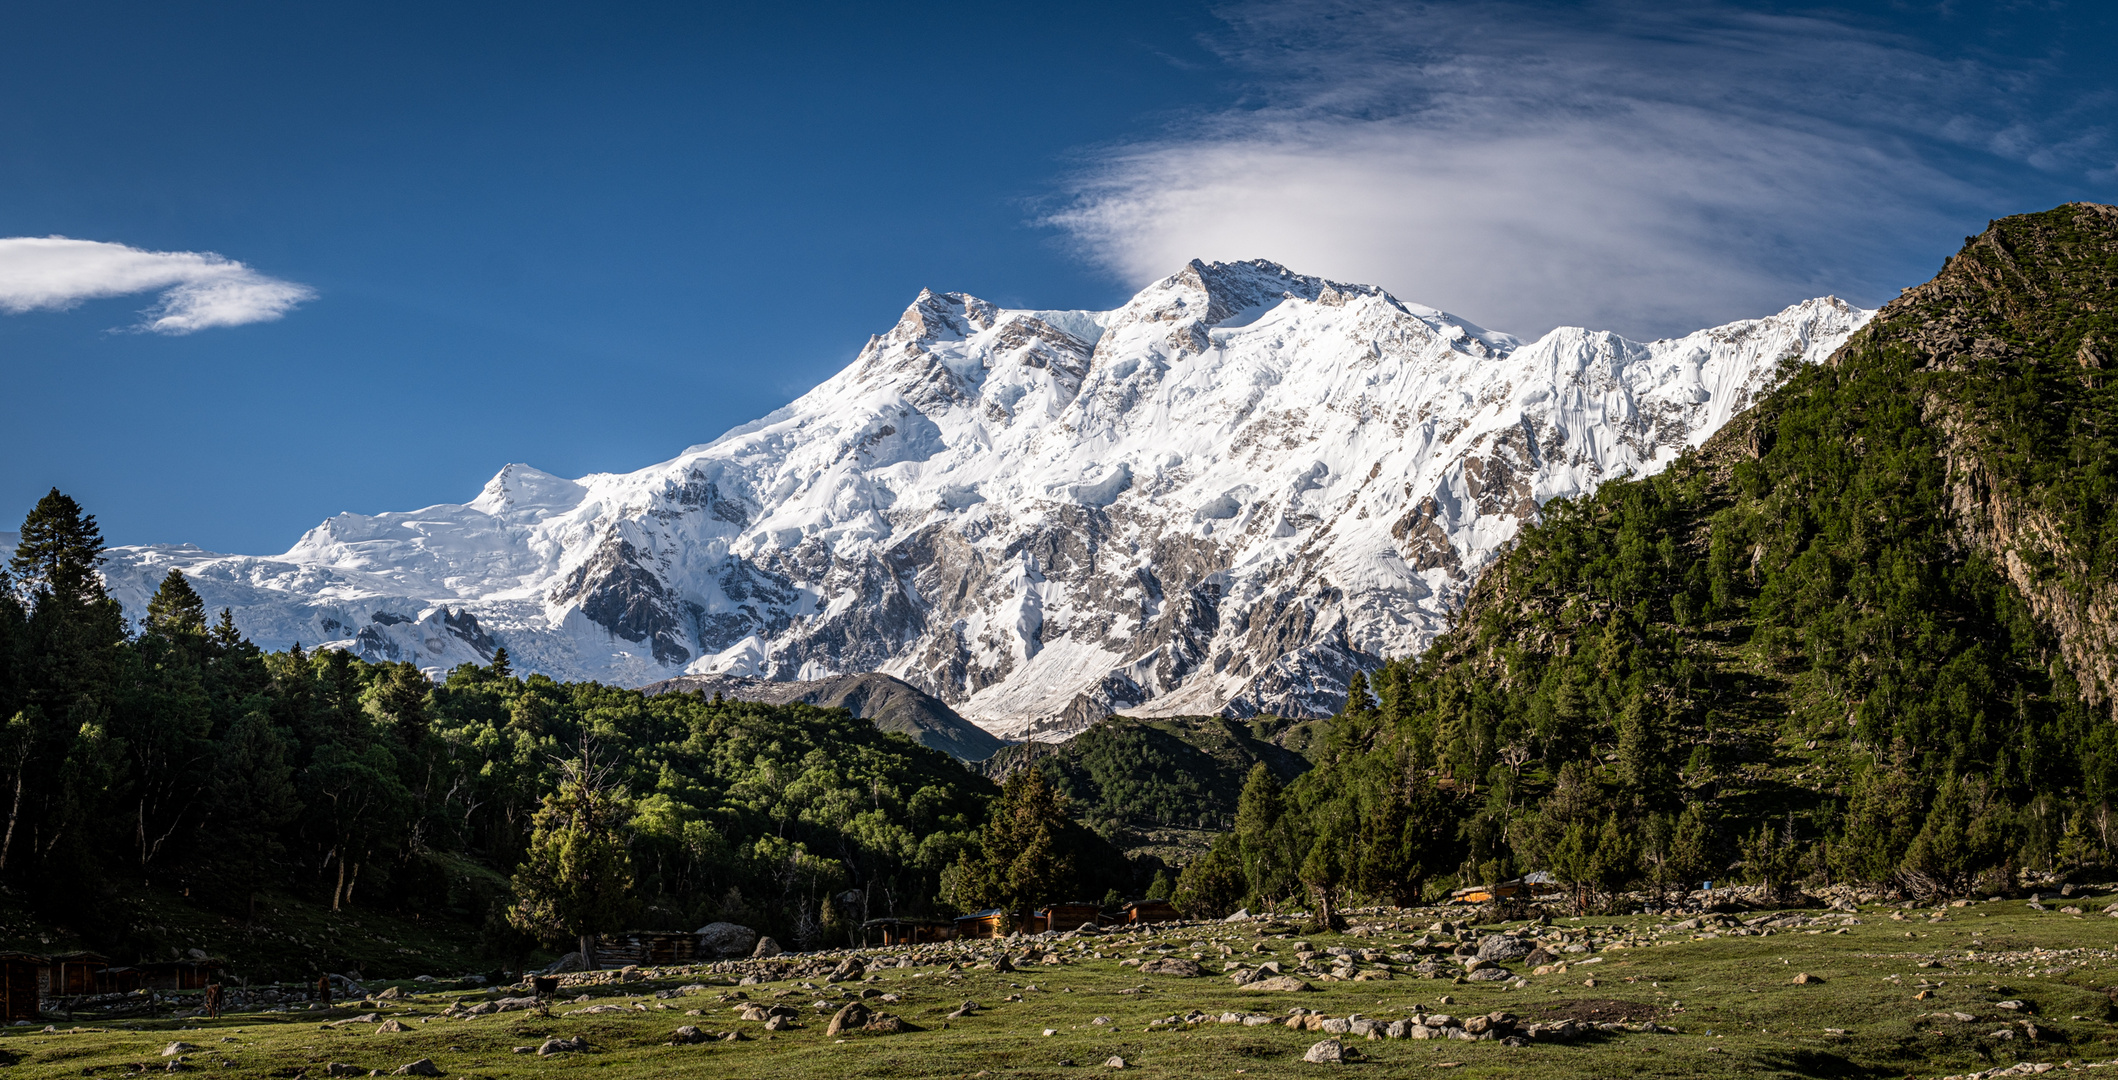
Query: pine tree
{"type": "Point", "coordinates": [58, 554]}
{"type": "Point", "coordinates": [1020, 862]}
{"type": "Point", "coordinates": [1358, 701]}
{"type": "Point", "coordinates": [500, 668]}
{"type": "Point", "coordinates": [577, 880]}
{"type": "Point", "coordinates": [1261, 837]}
{"type": "Point", "coordinates": [175, 611]}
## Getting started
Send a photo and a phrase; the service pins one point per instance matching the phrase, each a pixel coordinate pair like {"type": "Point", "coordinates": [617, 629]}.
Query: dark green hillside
{"type": "Point", "coordinates": [1183, 772]}
{"type": "Point", "coordinates": [1865, 633]}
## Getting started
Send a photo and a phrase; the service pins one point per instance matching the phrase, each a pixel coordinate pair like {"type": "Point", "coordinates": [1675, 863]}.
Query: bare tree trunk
{"type": "Point", "coordinates": [340, 888]}
{"type": "Point", "coordinates": [14, 814]}
{"type": "Point", "coordinates": [588, 952]}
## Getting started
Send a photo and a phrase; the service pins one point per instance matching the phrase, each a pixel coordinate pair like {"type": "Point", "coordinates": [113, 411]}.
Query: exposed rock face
{"type": "Point", "coordinates": [1223, 497]}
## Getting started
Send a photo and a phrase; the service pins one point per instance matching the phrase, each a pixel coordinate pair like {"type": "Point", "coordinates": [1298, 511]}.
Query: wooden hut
{"type": "Point", "coordinates": [18, 985]}
{"type": "Point", "coordinates": [1064, 917]}
{"type": "Point", "coordinates": [990, 923]}
{"type": "Point", "coordinates": [1149, 911]}
{"type": "Point", "coordinates": [1528, 887]}
{"type": "Point", "coordinates": [646, 947]}
{"type": "Point", "coordinates": [906, 931]}
{"type": "Point", "coordinates": [71, 974]}
{"type": "Point", "coordinates": [166, 975]}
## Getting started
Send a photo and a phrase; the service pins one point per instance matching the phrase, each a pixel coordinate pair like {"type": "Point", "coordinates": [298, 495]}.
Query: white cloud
{"type": "Point", "coordinates": [1644, 168]}
{"type": "Point", "coordinates": [200, 290]}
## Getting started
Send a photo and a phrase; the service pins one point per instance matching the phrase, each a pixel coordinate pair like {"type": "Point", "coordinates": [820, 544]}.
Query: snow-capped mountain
{"type": "Point", "coordinates": [1228, 494]}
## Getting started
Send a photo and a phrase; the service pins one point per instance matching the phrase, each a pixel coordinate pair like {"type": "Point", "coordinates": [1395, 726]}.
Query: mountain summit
{"type": "Point", "coordinates": [1226, 495]}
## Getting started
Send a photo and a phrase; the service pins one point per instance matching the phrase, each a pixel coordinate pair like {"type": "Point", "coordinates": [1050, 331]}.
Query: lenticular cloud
{"type": "Point", "coordinates": [199, 289]}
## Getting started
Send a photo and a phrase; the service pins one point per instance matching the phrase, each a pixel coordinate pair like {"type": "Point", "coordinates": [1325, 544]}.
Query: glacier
{"type": "Point", "coordinates": [1225, 496]}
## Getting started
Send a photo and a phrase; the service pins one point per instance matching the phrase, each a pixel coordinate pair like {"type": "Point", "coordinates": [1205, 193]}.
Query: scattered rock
{"type": "Point", "coordinates": [686, 1035]}
{"type": "Point", "coordinates": [422, 1067]}
{"type": "Point", "coordinates": [766, 949]}
{"type": "Point", "coordinates": [1114, 1063]}
{"type": "Point", "coordinates": [886, 1024]}
{"type": "Point", "coordinates": [562, 1046]}
{"type": "Point", "coordinates": [340, 1068]}
{"type": "Point", "coordinates": [175, 1048]}
{"type": "Point", "coordinates": [1805, 979]}
{"type": "Point", "coordinates": [391, 1027]}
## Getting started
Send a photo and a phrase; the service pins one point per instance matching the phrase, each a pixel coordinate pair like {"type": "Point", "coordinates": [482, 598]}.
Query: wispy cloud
{"type": "Point", "coordinates": [199, 290]}
{"type": "Point", "coordinates": [1650, 168]}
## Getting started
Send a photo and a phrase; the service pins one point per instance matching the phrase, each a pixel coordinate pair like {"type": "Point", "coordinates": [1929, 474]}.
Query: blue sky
{"type": "Point", "coordinates": [587, 236]}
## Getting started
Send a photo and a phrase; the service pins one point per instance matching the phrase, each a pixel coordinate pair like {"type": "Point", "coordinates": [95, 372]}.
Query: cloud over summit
{"type": "Point", "coordinates": [1643, 167]}
{"type": "Point", "coordinates": [199, 290]}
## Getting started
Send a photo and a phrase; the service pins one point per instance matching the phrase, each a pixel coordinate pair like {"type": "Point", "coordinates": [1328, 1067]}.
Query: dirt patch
{"type": "Point", "coordinates": [1594, 1010]}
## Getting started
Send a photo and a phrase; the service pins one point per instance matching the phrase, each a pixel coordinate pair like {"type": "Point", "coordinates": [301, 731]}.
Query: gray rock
{"type": "Point", "coordinates": [726, 939]}
{"type": "Point", "coordinates": [422, 1067]}
{"type": "Point", "coordinates": [1328, 1052]}
{"type": "Point", "coordinates": [1502, 947]}
{"type": "Point", "coordinates": [562, 1046]}
{"type": "Point", "coordinates": [852, 1017]}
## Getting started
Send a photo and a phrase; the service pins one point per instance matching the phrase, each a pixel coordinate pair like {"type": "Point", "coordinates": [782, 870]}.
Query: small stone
{"type": "Point", "coordinates": [422, 1067]}
{"type": "Point", "coordinates": [1114, 1063]}
{"type": "Point", "coordinates": [390, 1027]}
{"type": "Point", "coordinates": [1805, 979]}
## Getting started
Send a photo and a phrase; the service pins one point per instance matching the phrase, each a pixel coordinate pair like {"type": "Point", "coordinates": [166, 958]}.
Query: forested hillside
{"type": "Point", "coordinates": [1865, 633]}
{"type": "Point", "coordinates": [175, 758]}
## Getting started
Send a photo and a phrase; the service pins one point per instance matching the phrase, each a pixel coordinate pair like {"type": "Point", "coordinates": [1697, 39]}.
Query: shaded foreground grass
{"type": "Point", "coordinates": [1732, 1001]}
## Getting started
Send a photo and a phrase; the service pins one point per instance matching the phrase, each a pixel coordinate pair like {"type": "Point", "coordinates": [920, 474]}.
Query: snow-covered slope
{"type": "Point", "coordinates": [1228, 494]}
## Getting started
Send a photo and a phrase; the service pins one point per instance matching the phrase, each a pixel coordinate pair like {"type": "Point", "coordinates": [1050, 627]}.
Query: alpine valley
{"type": "Point", "coordinates": [1224, 497]}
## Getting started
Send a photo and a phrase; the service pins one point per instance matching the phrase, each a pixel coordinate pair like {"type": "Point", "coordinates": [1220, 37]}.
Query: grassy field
{"type": "Point", "coordinates": [1726, 994]}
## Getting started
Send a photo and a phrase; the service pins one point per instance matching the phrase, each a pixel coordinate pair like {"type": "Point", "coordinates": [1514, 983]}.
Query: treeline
{"type": "Point", "coordinates": [1795, 656]}
{"type": "Point", "coordinates": [177, 755]}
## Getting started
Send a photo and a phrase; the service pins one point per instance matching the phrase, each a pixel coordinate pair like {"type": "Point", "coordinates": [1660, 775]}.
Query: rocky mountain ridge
{"type": "Point", "coordinates": [1224, 496]}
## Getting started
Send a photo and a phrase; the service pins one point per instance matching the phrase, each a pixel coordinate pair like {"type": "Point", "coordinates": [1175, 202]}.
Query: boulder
{"type": "Point", "coordinates": [848, 970]}
{"type": "Point", "coordinates": [391, 1027]}
{"type": "Point", "coordinates": [855, 1015]}
{"type": "Point", "coordinates": [767, 948]}
{"type": "Point", "coordinates": [1181, 968]}
{"type": "Point", "coordinates": [422, 1067]}
{"type": "Point", "coordinates": [570, 962]}
{"type": "Point", "coordinates": [726, 939]}
{"type": "Point", "coordinates": [1328, 1052]}
{"type": "Point", "coordinates": [686, 1035]}
{"type": "Point", "coordinates": [1490, 974]}
{"type": "Point", "coordinates": [562, 1046]}
{"type": "Point", "coordinates": [1241, 915]}
{"type": "Point", "coordinates": [1278, 983]}
{"type": "Point", "coordinates": [886, 1024]}
{"type": "Point", "coordinates": [1502, 947]}
{"type": "Point", "coordinates": [1804, 979]}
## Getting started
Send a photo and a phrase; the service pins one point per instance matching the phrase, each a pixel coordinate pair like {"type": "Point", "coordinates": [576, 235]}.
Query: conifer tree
{"type": "Point", "coordinates": [500, 668]}
{"type": "Point", "coordinates": [577, 880]}
{"type": "Point", "coordinates": [1020, 861]}
{"type": "Point", "coordinates": [175, 611]}
{"type": "Point", "coordinates": [58, 554]}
